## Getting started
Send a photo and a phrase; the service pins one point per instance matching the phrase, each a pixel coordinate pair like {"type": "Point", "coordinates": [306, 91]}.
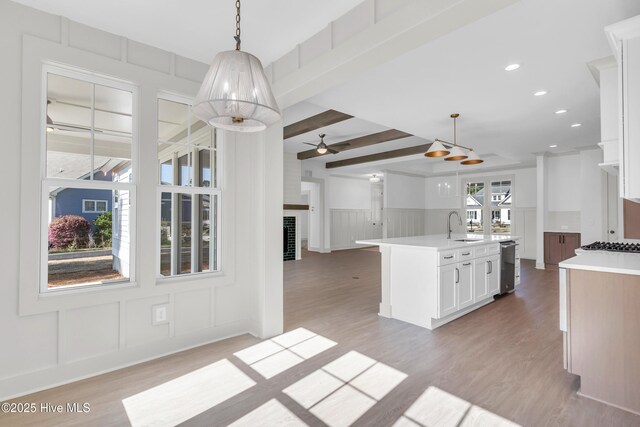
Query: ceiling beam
{"type": "Point", "coordinates": [362, 141]}
{"type": "Point", "coordinates": [318, 121]}
{"type": "Point", "coordinates": [401, 152]}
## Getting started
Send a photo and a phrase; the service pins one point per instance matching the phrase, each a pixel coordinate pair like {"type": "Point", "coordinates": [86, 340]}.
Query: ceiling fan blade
{"type": "Point", "coordinates": [332, 151]}
{"type": "Point", "coordinates": [308, 143]}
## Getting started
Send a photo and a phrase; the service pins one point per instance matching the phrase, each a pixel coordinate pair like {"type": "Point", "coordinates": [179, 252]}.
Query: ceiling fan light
{"type": "Point", "coordinates": [374, 178]}
{"type": "Point", "coordinates": [322, 148]}
{"type": "Point", "coordinates": [456, 154]}
{"type": "Point", "coordinates": [436, 150]}
{"type": "Point", "coordinates": [473, 159]}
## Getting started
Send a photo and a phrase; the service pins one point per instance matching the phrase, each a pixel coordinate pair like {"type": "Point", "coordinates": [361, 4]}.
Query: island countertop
{"type": "Point", "coordinates": [607, 262]}
{"type": "Point", "coordinates": [439, 241]}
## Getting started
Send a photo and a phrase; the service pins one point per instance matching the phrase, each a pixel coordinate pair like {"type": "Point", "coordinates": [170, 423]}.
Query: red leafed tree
{"type": "Point", "coordinates": [67, 229]}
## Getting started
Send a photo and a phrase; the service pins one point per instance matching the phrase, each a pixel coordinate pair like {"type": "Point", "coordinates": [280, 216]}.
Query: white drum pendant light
{"type": "Point", "coordinates": [236, 94]}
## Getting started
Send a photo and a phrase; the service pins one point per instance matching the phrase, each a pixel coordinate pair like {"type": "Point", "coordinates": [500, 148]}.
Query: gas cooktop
{"type": "Point", "coordinates": [613, 247]}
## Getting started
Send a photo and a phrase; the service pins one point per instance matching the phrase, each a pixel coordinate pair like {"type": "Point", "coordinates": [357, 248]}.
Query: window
{"type": "Point", "coordinates": [474, 203]}
{"type": "Point", "coordinates": [497, 210]}
{"type": "Point", "coordinates": [94, 206]}
{"type": "Point", "coordinates": [188, 192]}
{"type": "Point", "coordinates": [89, 140]}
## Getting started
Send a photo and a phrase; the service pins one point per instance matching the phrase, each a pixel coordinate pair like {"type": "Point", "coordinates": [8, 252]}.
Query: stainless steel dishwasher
{"type": "Point", "coordinates": [507, 266]}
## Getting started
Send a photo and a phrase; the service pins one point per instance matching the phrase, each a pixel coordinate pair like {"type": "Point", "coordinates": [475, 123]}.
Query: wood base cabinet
{"type": "Point", "coordinates": [603, 342]}
{"type": "Point", "coordinates": [560, 246]}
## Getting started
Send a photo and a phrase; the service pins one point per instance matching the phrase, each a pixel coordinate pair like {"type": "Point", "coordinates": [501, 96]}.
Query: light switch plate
{"type": "Point", "coordinates": [160, 314]}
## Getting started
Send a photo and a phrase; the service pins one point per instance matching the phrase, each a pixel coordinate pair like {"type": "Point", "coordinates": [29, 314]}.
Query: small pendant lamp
{"type": "Point", "coordinates": [437, 150]}
{"type": "Point", "coordinates": [236, 94]}
{"type": "Point", "coordinates": [473, 159]}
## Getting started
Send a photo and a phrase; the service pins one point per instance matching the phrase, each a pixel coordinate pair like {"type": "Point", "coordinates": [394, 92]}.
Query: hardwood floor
{"type": "Point", "coordinates": [505, 357]}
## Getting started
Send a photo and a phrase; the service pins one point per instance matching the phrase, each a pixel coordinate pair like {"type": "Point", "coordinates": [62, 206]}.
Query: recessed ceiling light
{"type": "Point", "coordinates": [553, 146]}
{"type": "Point", "coordinates": [575, 125]}
{"type": "Point", "coordinates": [512, 67]}
{"type": "Point", "coordinates": [561, 111]}
{"type": "Point", "coordinates": [540, 93]}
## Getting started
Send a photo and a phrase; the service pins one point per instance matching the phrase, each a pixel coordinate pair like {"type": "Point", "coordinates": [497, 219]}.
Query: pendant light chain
{"type": "Point", "coordinates": [237, 37]}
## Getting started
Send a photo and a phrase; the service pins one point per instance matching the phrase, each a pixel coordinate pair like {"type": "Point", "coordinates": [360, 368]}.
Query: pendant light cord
{"type": "Point", "coordinates": [237, 36]}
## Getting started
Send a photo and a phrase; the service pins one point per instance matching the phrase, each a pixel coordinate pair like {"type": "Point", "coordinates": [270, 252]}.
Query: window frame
{"type": "Point", "coordinates": [486, 207]}
{"type": "Point", "coordinates": [191, 190]}
{"type": "Point", "coordinates": [95, 206]}
{"type": "Point", "coordinates": [46, 182]}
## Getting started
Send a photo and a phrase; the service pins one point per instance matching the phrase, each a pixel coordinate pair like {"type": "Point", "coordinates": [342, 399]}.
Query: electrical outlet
{"type": "Point", "coordinates": [160, 314]}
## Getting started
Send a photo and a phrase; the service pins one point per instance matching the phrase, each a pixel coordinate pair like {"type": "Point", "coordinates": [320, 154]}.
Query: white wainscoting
{"type": "Point", "coordinates": [400, 222]}
{"type": "Point", "coordinates": [349, 225]}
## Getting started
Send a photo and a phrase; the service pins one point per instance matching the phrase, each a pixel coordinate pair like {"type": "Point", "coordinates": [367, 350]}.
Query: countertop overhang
{"type": "Point", "coordinates": [439, 241]}
{"type": "Point", "coordinates": [606, 262]}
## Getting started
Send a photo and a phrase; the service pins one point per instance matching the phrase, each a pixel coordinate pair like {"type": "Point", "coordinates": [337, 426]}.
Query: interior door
{"type": "Point", "coordinates": [448, 276]}
{"type": "Point", "coordinates": [480, 273]}
{"type": "Point", "coordinates": [465, 285]}
{"type": "Point", "coordinates": [493, 275]}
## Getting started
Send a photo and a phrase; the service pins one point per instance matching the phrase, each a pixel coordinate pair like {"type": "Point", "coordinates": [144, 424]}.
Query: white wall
{"type": "Point", "coordinates": [593, 196]}
{"type": "Point", "coordinates": [349, 193]}
{"type": "Point", "coordinates": [404, 191]}
{"type": "Point", "coordinates": [292, 174]}
{"type": "Point", "coordinates": [65, 338]}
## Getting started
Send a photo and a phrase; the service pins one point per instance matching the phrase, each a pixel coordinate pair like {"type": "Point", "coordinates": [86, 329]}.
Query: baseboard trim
{"type": "Point", "coordinates": [35, 381]}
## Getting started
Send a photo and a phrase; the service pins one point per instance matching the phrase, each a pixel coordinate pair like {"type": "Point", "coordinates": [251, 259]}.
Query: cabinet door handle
{"type": "Point", "coordinates": [468, 263]}
{"type": "Point", "coordinates": [448, 257]}
{"type": "Point", "coordinates": [457, 275]}
{"type": "Point", "coordinates": [489, 267]}
{"type": "Point", "coordinates": [560, 238]}
{"type": "Point", "coordinates": [465, 254]}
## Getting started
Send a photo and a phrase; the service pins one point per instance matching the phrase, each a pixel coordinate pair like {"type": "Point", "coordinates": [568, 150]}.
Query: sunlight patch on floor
{"type": "Point", "coordinates": [274, 356]}
{"type": "Point", "coordinates": [182, 398]}
{"type": "Point", "coordinates": [342, 391]}
{"type": "Point", "coordinates": [436, 407]}
{"type": "Point", "coordinates": [272, 413]}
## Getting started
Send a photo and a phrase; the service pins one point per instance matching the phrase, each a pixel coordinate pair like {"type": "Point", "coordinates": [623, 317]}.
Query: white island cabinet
{"type": "Point", "coordinates": [432, 280]}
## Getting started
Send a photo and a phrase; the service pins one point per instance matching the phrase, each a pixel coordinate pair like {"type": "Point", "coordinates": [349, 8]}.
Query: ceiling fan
{"type": "Point", "coordinates": [323, 148]}
{"type": "Point", "coordinates": [51, 125]}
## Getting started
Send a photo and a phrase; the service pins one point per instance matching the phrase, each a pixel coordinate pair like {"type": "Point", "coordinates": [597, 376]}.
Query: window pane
{"type": "Point", "coordinates": [68, 154]}
{"type": "Point", "coordinates": [204, 168]}
{"type": "Point", "coordinates": [501, 207]}
{"type": "Point", "coordinates": [166, 172]}
{"type": "Point", "coordinates": [89, 206]}
{"type": "Point", "coordinates": [474, 205]}
{"type": "Point", "coordinates": [184, 241]}
{"type": "Point", "coordinates": [204, 240]}
{"type": "Point", "coordinates": [86, 248]}
{"type": "Point", "coordinates": [69, 103]}
{"type": "Point", "coordinates": [112, 155]}
{"type": "Point", "coordinates": [101, 206]}
{"type": "Point", "coordinates": [113, 110]}
{"type": "Point", "coordinates": [172, 121]}
{"type": "Point", "coordinates": [184, 177]}
{"type": "Point", "coordinates": [165, 234]}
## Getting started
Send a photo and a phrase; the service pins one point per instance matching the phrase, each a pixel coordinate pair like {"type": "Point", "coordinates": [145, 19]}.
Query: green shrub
{"type": "Point", "coordinates": [104, 229]}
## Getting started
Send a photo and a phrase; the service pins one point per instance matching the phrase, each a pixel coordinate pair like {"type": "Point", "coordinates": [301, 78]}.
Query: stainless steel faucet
{"type": "Point", "coordinates": [449, 222]}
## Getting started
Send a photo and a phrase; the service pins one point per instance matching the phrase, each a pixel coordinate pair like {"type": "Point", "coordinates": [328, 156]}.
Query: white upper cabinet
{"type": "Point", "coordinates": [625, 40]}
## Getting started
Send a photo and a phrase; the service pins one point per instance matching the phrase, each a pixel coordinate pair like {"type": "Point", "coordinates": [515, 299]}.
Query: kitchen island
{"type": "Point", "coordinates": [431, 280]}
{"type": "Point", "coordinates": [600, 320]}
